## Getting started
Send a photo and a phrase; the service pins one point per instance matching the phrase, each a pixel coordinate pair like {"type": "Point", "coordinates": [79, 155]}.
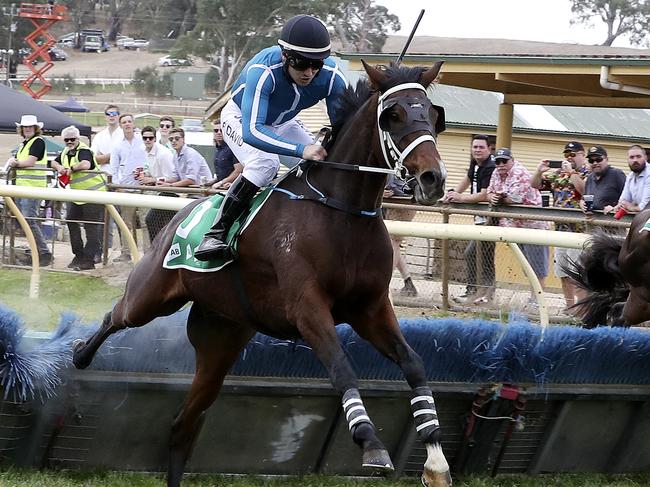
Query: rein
{"type": "Point", "coordinates": [321, 198]}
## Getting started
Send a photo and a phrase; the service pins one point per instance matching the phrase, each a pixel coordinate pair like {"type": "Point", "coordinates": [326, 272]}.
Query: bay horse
{"type": "Point", "coordinates": [306, 264]}
{"type": "Point", "coordinates": [615, 272]}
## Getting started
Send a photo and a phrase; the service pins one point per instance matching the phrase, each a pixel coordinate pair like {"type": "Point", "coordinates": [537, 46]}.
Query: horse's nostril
{"type": "Point", "coordinates": [427, 178]}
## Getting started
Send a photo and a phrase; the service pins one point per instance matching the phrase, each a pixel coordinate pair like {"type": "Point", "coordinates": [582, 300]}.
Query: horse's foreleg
{"type": "Point", "coordinates": [316, 325]}
{"type": "Point", "coordinates": [382, 330]}
{"type": "Point", "coordinates": [217, 346]}
{"type": "Point", "coordinates": [85, 351]}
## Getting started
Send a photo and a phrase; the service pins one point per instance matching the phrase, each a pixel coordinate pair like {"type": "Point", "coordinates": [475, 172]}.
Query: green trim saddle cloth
{"type": "Point", "coordinates": [645, 227]}
{"type": "Point", "coordinates": [190, 232]}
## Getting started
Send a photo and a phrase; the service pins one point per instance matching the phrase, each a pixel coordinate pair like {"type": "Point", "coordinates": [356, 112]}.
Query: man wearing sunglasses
{"type": "Point", "coordinates": [260, 120]}
{"type": "Point", "coordinates": [226, 167]}
{"type": "Point", "coordinates": [165, 124]}
{"type": "Point", "coordinates": [567, 184]}
{"type": "Point", "coordinates": [108, 138]}
{"type": "Point", "coordinates": [605, 182]}
{"type": "Point", "coordinates": [76, 161]}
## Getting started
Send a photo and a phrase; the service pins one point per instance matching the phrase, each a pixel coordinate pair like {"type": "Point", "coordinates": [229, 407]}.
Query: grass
{"type": "Point", "coordinates": [89, 297]}
{"type": "Point", "coordinates": [27, 478]}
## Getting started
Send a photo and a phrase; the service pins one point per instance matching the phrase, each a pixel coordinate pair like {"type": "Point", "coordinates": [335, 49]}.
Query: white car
{"type": "Point", "coordinates": [192, 125]}
{"type": "Point", "coordinates": [170, 61]}
{"type": "Point", "coordinates": [139, 44]}
{"type": "Point", "coordinates": [124, 42]}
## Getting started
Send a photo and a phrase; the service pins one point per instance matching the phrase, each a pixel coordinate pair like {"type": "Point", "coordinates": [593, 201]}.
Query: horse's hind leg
{"type": "Point", "coordinates": [380, 327]}
{"type": "Point", "coordinates": [85, 351]}
{"type": "Point", "coordinates": [217, 344]}
{"type": "Point", "coordinates": [315, 323]}
{"type": "Point", "coordinates": [146, 296]}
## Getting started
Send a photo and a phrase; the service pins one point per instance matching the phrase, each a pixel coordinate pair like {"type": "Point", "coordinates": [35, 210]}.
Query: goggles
{"type": "Point", "coordinates": [301, 63]}
{"type": "Point", "coordinates": [112, 113]}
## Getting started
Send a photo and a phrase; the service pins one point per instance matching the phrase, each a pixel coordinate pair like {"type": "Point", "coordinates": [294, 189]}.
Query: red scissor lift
{"type": "Point", "coordinates": [43, 16]}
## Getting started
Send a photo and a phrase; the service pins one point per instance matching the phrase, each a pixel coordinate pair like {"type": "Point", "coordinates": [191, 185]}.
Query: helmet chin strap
{"type": "Point", "coordinates": [393, 156]}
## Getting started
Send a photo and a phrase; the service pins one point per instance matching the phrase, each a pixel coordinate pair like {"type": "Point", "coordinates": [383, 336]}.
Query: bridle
{"type": "Point", "coordinates": [418, 119]}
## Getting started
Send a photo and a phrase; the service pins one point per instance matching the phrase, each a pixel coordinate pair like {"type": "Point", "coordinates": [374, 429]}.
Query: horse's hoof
{"type": "Point", "coordinates": [78, 359]}
{"type": "Point", "coordinates": [378, 460]}
{"type": "Point", "coordinates": [436, 479]}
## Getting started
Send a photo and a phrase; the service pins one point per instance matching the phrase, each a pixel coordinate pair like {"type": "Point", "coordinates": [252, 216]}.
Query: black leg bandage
{"type": "Point", "coordinates": [424, 413]}
{"type": "Point", "coordinates": [353, 408]}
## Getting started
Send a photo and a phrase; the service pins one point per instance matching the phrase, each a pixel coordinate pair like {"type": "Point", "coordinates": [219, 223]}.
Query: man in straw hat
{"type": "Point", "coordinates": [30, 165]}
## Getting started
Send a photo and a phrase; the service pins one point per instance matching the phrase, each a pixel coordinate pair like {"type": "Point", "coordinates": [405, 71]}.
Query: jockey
{"type": "Point", "coordinates": [259, 122]}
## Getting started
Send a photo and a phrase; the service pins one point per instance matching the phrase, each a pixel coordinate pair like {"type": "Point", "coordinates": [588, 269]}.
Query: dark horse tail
{"type": "Point", "coordinates": [597, 272]}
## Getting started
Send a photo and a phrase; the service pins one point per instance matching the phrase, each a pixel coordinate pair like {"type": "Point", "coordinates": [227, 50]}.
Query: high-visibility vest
{"type": "Point", "coordinates": [31, 176]}
{"type": "Point", "coordinates": [82, 180]}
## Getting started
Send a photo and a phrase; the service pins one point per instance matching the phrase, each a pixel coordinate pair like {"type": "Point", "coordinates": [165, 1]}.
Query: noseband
{"type": "Point", "coordinates": [418, 119]}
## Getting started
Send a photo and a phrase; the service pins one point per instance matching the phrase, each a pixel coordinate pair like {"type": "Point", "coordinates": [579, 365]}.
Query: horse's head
{"type": "Point", "coordinates": [408, 124]}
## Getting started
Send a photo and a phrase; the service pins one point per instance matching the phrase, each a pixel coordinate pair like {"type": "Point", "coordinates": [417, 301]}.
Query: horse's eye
{"type": "Point", "coordinates": [394, 116]}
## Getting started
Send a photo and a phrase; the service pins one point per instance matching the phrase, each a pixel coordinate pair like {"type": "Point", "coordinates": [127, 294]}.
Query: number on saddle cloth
{"type": "Point", "coordinates": [190, 232]}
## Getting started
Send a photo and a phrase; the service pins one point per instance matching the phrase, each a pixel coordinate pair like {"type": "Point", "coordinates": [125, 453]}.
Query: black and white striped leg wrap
{"type": "Point", "coordinates": [354, 410]}
{"type": "Point", "coordinates": [424, 413]}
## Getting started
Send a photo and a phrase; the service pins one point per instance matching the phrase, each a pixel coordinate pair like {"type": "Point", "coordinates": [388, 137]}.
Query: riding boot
{"type": "Point", "coordinates": [236, 202]}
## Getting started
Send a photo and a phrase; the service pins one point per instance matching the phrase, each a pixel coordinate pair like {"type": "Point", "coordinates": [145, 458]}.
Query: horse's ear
{"type": "Point", "coordinates": [429, 76]}
{"type": "Point", "coordinates": [376, 76]}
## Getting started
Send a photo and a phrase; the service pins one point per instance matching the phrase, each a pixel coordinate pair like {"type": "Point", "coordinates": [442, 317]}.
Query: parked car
{"type": "Point", "coordinates": [91, 43]}
{"type": "Point", "coordinates": [124, 42]}
{"type": "Point", "coordinates": [192, 125]}
{"type": "Point", "coordinates": [139, 44]}
{"type": "Point", "coordinates": [170, 61]}
{"type": "Point", "coordinates": [57, 54]}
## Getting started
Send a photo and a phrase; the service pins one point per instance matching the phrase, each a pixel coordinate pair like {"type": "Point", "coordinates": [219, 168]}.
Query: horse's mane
{"type": "Point", "coordinates": [353, 98]}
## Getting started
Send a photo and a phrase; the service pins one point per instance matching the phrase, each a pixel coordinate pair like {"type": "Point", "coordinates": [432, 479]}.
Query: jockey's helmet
{"type": "Point", "coordinates": [306, 36]}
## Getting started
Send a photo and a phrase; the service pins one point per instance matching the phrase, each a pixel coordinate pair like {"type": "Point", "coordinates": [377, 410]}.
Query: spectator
{"type": "Point", "coordinates": [567, 184]}
{"type": "Point", "coordinates": [190, 167]}
{"type": "Point", "coordinates": [102, 145]}
{"type": "Point", "coordinates": [159, 162]}
{"type": "Point", "coordinates": [605, 183]}
{"type": "Point", "coordinates": [166, 123]}
{"type": "Point", "coordinates": [636, 192]}
{"type": "Point", "coordinates": [396, 188]}
{"type": "Point", "coordinates": [480, 254]}
{"type": "Point", "coordinates": [108, 138]}
{"type": "Point", "coordinates": [29, 164]}
{"type": "Point", "coordinates": [126, 160]}
{"type": "Point", "coordinates": [511, 185]}
{"type": "Point", "coordinates": [73, 161]}
{"type": "Point", "coordinates": [158, 167]}
{"type": "Point", "coordinates": [226, 166]}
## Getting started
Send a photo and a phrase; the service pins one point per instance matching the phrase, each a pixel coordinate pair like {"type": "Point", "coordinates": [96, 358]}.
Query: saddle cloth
{"type": "Point", "coordinates": [190, 232]}
{"type": "Point", "coordinates": [645, 227]}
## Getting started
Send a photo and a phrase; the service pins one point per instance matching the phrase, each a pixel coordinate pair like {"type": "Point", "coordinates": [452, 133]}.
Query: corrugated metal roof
{"type": "Point", "coordinates": [445, 46]}
{"type": "Point", "coordinates": [634, 122]}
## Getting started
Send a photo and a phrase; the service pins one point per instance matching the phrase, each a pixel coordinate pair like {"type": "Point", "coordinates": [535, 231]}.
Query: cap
{"type": "Point", "coordinates": [574, 146]}
{"type": "Point", "coordinates": [597, 150]}
{"type": "Point", "coordinates": [503, 153]}
{"type": "Point", "coordinates": [307, 36]}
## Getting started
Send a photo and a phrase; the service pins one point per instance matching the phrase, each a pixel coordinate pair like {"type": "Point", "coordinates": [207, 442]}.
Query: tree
{"type": "Point", "coordinates": [362, 26]}
{"type": "Point", "coordinates": [622, 17]}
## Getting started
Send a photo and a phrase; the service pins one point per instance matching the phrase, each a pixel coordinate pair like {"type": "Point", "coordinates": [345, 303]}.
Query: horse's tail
{"type": "Point", "coordinates": [597, 272]}
{"type": "Point", "coordinates": [26, 374]}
